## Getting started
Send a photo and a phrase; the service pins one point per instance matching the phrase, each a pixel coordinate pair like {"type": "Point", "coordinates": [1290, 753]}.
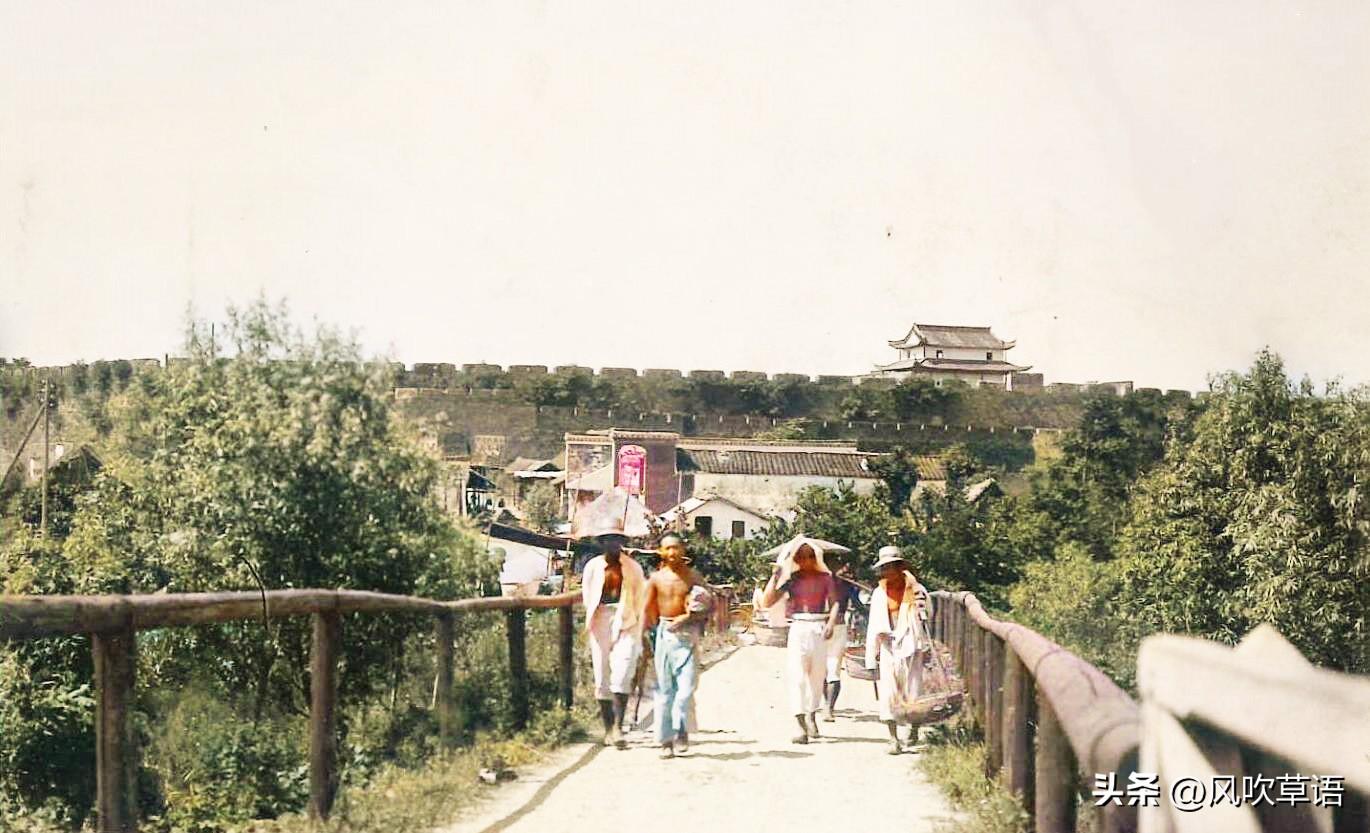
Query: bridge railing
{"type": "Point", "coordinates": [112, 623]}
{"type": "Point", "coordinates": [1049, 717]}
{"type": "Point", "coordinates": [1257, 715]}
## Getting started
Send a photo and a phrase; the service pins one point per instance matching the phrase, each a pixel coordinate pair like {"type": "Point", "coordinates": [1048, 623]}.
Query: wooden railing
{"type": "Point", "coordinates": [1216, 715]}
{"type": "Point", "coordinates": [113, 622]}
{"type": "Point", "coordinates": [1048, 716]}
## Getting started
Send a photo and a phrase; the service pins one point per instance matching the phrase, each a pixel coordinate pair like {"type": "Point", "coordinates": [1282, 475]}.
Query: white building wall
{"type": "Point", "coordinates": [772, 495]}
{"type": "Point", "coordinates": [723, 515]}
{"type": "Point", "coordinates": [976, 354]}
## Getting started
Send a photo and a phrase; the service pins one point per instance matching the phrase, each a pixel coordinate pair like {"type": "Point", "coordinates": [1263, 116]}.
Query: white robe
{"type": "Point", "coordinates": [897, 648]}
{"type": "Point", "coordinates": [615, 631]}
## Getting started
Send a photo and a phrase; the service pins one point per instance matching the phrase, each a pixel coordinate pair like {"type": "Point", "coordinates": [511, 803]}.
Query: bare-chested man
{"type": "Point", "coordinates": [811, 607]}
{"type": "Point", "coordinates": [677, 603]}
{"type": "Point", "coordinates": [612, 592]}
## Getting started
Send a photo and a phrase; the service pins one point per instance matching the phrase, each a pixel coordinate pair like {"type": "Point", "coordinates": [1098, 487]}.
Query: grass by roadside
{"type": "Point", "coordinates": [955, 762]}
{"type": "Point", "coordinates": [403, 800]}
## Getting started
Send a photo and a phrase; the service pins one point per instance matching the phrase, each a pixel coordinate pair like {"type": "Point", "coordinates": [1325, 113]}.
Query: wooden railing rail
{"type": "Point", "coordinates": [1211, 712]}
{"type": "Point", "coordinates": [113, 622]}
{"type": "Point", "coordinates": [1049, 717]}
{"type": "Point", "coordinates": [26, 617]}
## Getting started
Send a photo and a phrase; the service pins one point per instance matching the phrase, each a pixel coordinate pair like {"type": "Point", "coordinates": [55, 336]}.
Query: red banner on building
{"type": "Point", "coordinates": [632, 468]}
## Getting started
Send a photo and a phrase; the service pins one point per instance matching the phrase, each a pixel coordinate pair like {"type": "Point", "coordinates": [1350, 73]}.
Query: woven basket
{"type": "Point", "coordinates": [941, 695]}
{"type": "Point", "coordinates": [767, 635]}
{"type": "Point", "coordinates": [854, 661]}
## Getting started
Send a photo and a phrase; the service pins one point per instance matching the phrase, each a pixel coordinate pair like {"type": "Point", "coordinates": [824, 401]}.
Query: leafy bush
{"type": "Point", "coordinates": [1255, 515]}
{"type": "Point", "coordinates": [1071, 600]}
{"type": "Point", "coordinates": [217, 766]}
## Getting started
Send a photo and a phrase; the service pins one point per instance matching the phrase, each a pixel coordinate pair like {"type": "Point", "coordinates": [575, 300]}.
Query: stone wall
{"type": "Point", "coordinates": [452, 420]}
{"type": "Point", "coordinates": [452, 405]}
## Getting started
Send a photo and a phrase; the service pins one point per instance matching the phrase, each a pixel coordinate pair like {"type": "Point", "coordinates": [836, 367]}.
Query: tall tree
{"type": "Point", "coordinates": [1257, 517]}
{"type": "Point", "coordinates": [272, 461]}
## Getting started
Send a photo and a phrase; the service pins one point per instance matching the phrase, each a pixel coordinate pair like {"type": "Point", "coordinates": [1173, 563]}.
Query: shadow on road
{"type": "Point", "coordinates": [694, 742]}
{"type": "Point", "coordinates": [742, 756]}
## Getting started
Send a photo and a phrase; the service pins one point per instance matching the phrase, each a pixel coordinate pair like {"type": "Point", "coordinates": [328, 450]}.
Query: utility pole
{"type": "Point", "coordinates": [43, 510]}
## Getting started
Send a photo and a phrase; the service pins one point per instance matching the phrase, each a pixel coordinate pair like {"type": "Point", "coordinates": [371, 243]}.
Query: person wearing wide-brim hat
{"type": "Point", "coordinates": [612, 589]}
{"type": "Point", "coordinates": [896, 638]}
{"type": "Point", "coordinates": [801, 577]}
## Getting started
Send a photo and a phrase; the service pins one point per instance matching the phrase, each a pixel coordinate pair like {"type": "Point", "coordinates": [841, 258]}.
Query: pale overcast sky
{"type": "Point", "coordinates": [1146, 191]}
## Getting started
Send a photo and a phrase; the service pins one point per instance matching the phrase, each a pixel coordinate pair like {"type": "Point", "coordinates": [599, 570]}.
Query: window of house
{"type": "Point", "coordinates": [739, 529]}
{"type": "Point", "coordinates": [704, 525]}
{"type": "Point", "coordinates": [939, 354]}
{"type": "Point", "coordinates": [989, 356]}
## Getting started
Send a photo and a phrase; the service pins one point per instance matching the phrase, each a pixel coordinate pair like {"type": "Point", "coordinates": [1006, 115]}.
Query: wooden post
{"type": "Point", "coordinates": [43, 511]}
{"type": "Point", "coordinates": [958, 649]}
{"type": "Point", "coordinates": [446, 707]}
{"type": "Point", "coordinates": [1055, 768]}
{"type": "Point", "coordinates": [323, 717]}
{"type": "Point", "coordinates": [973, 675]}
{"type": "Point", "coordinates": [1018, 725]}
{"type": "Point", "coordinates": [994, 704]}
{"type": "Point", "coordinates": [518, 666]}
{"type": "Point", "coordinates": [115, 761]}
{"type": "Point", "coordinates": [566, 617]}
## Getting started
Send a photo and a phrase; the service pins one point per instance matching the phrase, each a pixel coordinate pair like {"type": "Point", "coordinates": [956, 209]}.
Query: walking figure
{"type": "Point", "coordinates": [811, 608]}
{"type": "Point", "coordinates": [677, 603]}
{"type": "Point", "coordinates": [613, 589]}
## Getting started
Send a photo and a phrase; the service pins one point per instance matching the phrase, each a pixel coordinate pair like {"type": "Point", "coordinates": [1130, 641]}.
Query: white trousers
{"type": "Point", "coordinates": [837, 647]}
{"type": "Point", "coordinates": [898, 673]}
{"type": "Point", "coordinates": [614, 660]}
{"type": "Point", "coordinates": [806, 664]}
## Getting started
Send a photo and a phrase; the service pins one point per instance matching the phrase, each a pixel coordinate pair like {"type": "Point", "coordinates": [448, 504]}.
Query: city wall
{"type": "Point", "coordinates": [484, 409]}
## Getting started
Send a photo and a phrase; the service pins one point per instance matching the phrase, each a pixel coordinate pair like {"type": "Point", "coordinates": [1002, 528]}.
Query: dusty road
{"type": "Point", "coordinates": [742, 772]}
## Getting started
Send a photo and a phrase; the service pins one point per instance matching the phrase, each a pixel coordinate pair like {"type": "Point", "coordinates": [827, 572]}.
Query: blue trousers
{"type": "Point", "coordinates": [676, 672]}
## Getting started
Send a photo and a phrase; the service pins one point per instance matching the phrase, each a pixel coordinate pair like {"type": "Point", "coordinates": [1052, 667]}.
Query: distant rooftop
{"type": "Point", "coordinates": [947, 335]}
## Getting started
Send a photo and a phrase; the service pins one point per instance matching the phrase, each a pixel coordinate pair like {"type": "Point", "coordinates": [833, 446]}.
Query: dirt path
{"type": "Point", "coordinates": [742, 772]}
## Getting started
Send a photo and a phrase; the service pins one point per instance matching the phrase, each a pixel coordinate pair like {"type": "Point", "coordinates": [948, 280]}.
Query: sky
{"type": "Point", "coordinates": [1131, 191]}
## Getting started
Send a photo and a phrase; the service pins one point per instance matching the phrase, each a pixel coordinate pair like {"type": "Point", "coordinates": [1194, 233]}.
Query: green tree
{"type": "Point", "coordinates": [1070, 599]}
{"type": "Point", "coordinates": [270, 461]}
{"type": "Point", "coordinates": [920, 398]}
{"type": "Point", "coordinates": [277, 466]}
{"type": "Point", "coordinates": [735, 561]}
{"type": "Point", "coordinates": [1255, 515]}
{"type": "Point", "coordinates": [957, 545]}
{"type": "Point", "coordinates": [790, 429]}
{"type": "Point", "coordinates": [542, 508]}
{"type": "Point", "coordinates": [898, 470]}
{"type": "Point", "coordinates": [865, 403]}
{"type": "Point", "coordinates": [1083, 497]}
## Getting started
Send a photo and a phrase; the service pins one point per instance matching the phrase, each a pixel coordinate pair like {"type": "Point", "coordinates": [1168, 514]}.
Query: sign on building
{"type": "Point", "coordinates": [632, 468]}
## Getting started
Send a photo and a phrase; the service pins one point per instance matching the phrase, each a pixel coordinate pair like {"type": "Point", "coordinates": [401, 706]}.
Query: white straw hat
{"type": "Point", "coordinates": [889, 555]}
